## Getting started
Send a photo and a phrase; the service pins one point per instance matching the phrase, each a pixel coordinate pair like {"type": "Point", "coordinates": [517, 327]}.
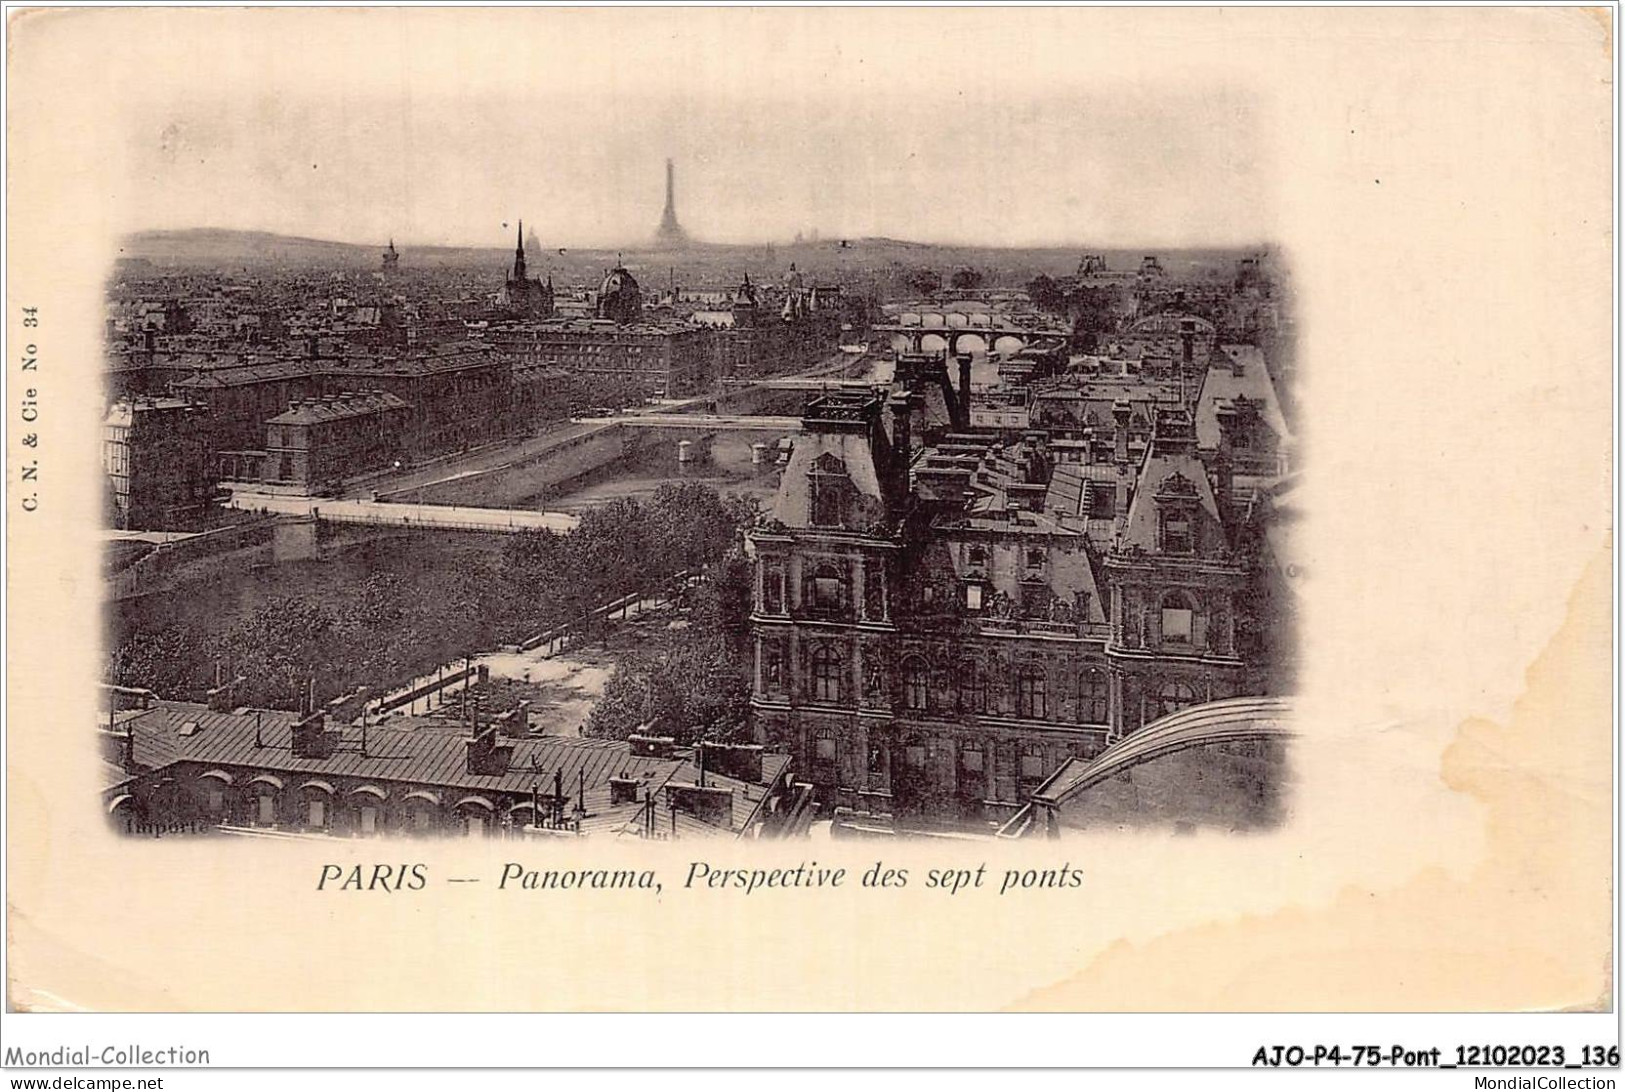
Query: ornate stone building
{"type": "Point", "coordinates": [937, 634]}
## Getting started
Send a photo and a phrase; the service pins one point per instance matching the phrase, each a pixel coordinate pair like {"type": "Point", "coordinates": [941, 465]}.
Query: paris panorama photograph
{"type": "Point", "coordinates": [725, 494]}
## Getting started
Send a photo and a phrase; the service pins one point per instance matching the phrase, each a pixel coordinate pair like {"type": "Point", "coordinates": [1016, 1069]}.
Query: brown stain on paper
{"type": "Point", "coordinates": [1529, 929]}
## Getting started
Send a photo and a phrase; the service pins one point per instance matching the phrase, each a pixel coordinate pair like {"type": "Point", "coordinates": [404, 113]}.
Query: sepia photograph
{"type": "Point", "coordinates": [802, 537]}
{"type": "Point", "coordinates": [811, 510]}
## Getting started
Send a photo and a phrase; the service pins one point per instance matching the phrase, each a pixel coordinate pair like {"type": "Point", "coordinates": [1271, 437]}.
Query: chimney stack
{"type": "Point", "coordinates": [516, 721]}
{"type": "Point", "coordinates": [311, 739]}
{"type": "Point", "coordinates": [485, 758]}
{"type": "Point", "coordinates": [652, 746]}
{"type": "Point", "coordinates": [1120, 416]}
{"type": "Point", "coordinates": [901, 407]}
{"type": "Point", "coordinates": [623, 790]}
{"type": "Point", "coordinates": [221, 698]}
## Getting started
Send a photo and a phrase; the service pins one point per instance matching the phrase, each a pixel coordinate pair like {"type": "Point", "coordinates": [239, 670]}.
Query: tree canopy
{"type": "Point", "coordinates": [403, 618]}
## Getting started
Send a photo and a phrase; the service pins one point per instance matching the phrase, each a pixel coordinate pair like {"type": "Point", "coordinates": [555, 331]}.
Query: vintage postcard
{"type": "Point", "coordinates": [761, 510]}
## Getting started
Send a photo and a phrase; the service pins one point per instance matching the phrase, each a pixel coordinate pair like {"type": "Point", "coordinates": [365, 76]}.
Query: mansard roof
{"type": "Point", "coordinates": [1237, 371]}
{"type": "Point", "coordinates": [1164, 475]}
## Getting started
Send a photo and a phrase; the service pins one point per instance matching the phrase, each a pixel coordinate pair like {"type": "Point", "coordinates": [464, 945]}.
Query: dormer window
{"type": "Point", "coordinates": [1176, 532]}
{"type": "Point", "coordinates": [1035, 561]}
{"type": "Point", "coordinates": [973, 597]}
{"type": "Point", "coordinates": [829, 487]}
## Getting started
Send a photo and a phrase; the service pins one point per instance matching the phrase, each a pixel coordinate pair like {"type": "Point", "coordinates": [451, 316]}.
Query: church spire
{"type": "Point", "coordinates": [519, 253]}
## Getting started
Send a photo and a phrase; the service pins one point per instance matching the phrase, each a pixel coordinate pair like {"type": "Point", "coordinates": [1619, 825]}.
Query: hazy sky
{"type": "Point", "coordinates": [371, 123]}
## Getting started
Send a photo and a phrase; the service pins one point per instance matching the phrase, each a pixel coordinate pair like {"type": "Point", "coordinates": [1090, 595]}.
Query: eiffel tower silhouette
{"type": "Point", "coordinates": [670, 230]}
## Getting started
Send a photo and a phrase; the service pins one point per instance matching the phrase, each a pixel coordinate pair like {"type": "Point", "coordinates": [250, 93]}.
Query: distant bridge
{"type": "Point", "coordinates": [995, 331]}
{"type": "Point", "coordinates": [388, 513]}
{"type": "Point", "coordinates": [710, 422]}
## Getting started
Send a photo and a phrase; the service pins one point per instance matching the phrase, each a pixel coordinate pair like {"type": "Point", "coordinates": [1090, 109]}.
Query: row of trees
{"type": "Point", "coordinates": [419, 607]}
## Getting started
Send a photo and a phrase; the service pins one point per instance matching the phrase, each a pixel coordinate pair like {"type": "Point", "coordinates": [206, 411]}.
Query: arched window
{"type": "Point", "coordinates": [972, 689]}
{"type": "Point", "coordinates": [266, 790]}
{"type": "Point", "coordinates": [826, 672]}
{"type": "Point", "coordinates": [1174, 696]}
{"type": "Point", "coordinates": [476, 813]}
{"type": "Point", "coordinates": [1031, 697]}
{"type": "Point", "coordinates": [1178, 618]}
{"type": "Point", "coordinates": [368, 801]}
{"type": "Point", "coordinates": [316, 810]}
{"type": "Point", "coordinates": [1094, 696]}
{"type": "Point", "coordinates": [422, 810]}
{"type": "Point", "coordinates": [916, 682]}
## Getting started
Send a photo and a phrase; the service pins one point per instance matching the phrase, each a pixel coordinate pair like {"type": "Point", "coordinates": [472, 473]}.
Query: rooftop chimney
{"type": "Point", "coordinates": [221, 699]}
{"type": "Point", "coordinates": [1121, 411]}
{"type": "Point", "coordinates": [652, 746]}
{"type": "Point", "coordinates": [485, 758]}
{"type": "Point", "coordinates": [623, 790]}
{"type": "Point", "coordinates": [516, 721]}
{"type": "Point", "coordinates": [901, 408]}
{"type": "Point", "coordinates": [964, 388]}
{"type": "Point", "coordinates": [311, 739]}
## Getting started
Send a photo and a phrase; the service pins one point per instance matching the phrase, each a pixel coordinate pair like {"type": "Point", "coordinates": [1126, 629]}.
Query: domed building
{"type": "Point", "coordinates": [619, 297]}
